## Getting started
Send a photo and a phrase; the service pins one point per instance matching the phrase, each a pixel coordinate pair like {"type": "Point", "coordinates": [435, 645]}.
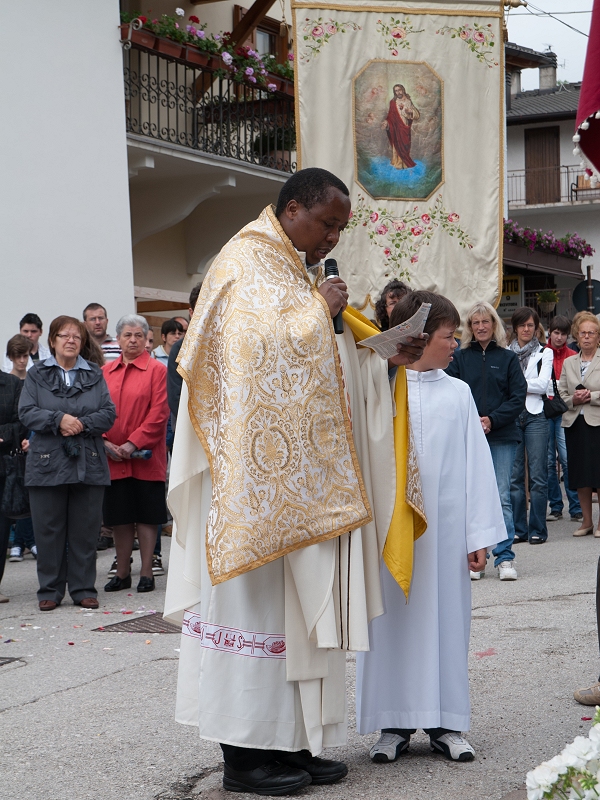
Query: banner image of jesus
{"type": "Point", "coordinates": [398, 143]}
{"type": "Point", "coordinates": [398, 123]}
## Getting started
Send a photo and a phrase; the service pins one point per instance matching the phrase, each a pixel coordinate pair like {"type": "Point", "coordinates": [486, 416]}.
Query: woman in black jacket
{"type": "Point", "coordinates": [499, 388]}
{"type": "Point", "coordinates": [12, 434]}
{"type": "Point", "coordinates": [65, 401]}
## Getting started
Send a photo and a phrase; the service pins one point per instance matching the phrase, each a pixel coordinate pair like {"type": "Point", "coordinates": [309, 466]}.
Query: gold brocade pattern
{"type": "Point", "coordinates": [414, 488]}
{"type": "Point", "coordinates": [267, 403]}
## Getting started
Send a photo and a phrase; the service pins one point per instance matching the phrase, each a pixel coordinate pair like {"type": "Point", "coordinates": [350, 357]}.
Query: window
{"type": "Point", "coordinates": [266, 38]}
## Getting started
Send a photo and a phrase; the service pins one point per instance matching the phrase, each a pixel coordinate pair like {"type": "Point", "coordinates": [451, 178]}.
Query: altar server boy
{"type": "Point", "coordinates": [416, 674]}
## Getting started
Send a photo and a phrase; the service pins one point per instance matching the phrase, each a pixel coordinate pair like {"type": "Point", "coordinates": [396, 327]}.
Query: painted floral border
{"type": "Point", "coordinates": [317, 32]}
{"type": "Point", "coordinates": [396, 33]}
{"type": "Point", "coordinates": [477, 38]}
{"type": "Point", "coordinates": [402, 238]}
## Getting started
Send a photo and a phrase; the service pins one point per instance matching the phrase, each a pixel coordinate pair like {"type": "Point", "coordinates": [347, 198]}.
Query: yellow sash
{"type": "Point", "coordinates": [408, 520]}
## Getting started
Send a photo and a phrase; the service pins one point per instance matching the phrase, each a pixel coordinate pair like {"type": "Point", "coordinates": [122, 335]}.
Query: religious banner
{"type": "Point", "coordinates": [406, 105]}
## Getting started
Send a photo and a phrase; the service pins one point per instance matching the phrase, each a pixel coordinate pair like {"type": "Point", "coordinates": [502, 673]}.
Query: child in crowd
{"type": "Point", "coordinates": [18, 351]}
{"type": "Point", "coordinates": [416, 674]}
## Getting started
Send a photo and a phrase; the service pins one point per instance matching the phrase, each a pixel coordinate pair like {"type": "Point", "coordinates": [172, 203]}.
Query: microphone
{"type": "Point", "coordinates": [331, 270]}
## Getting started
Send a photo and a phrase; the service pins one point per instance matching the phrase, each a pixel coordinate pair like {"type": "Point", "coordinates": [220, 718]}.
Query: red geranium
{"type": "Point", "coordinates": [194, 19]}
{"type": "Point", "coordinates": [143, 20]}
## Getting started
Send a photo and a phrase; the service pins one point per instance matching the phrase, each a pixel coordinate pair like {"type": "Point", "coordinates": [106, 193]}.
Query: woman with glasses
{"type": "Point", "coordinates": [392, 292]}
{"type": "Point", "coordinates": [579, 387]}
{"type": "Point", "coordinates": [65, 401]}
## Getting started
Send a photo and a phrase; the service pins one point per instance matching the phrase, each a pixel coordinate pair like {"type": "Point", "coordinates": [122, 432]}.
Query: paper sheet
{"type": "Point", "coordinates": [384, 344]}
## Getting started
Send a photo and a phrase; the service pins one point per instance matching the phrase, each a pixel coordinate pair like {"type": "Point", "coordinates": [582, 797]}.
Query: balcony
{"type": "Point", "coordinates": [172, 101]}
{"type": "Point", "coordinates": [549, 186]}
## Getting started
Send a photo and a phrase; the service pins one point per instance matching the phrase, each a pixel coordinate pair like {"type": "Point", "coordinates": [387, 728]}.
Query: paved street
{"type": "Point", "coordinates": [89, 714]}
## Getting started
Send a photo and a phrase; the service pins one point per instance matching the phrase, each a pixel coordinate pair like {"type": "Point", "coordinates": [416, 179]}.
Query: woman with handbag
{"type": "Point", "coordinates": [12, 434]}
{"type": "Point", "coordinates": [499, 390]}
{"type": "Point", "coordinates": [536, 365]}
{"type": "Point", "coordinates": [579, 387]}
{"type": "Point", "coordinates": [560, 328]}
{"type": "Point", "coordinates": [65, 401]}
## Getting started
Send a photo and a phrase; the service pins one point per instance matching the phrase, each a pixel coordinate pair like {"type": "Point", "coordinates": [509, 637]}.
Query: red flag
{"type": "Point", "coordinates": [587, 137]}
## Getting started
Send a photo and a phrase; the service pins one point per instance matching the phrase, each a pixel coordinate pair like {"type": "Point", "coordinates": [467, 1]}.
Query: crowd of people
{"type": "Point", "coordinates": [85, 435]}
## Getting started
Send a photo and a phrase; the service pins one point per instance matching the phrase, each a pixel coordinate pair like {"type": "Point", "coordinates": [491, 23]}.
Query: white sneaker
{"type": "Point", "coordinates": [507, 571]}
{"type": "Point", "coordinates": [34, 551]}
{"type": "Point", "coordinates": [476, 576]}
{"type": "Point", "coordinates": [16, 554]}
{"type": "Point", "coordinates": [388, 748]}
{"type": "Point", "coordinates": [453, 746]}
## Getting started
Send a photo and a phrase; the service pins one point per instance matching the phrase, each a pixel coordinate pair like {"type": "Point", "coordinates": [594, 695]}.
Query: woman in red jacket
{"type": "Point", "coordinates": [135, 500]}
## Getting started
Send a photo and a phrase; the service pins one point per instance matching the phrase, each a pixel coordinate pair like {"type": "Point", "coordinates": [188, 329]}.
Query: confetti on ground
{"type": "Point", "coordinates": [127, 612]}
{"type": "Point", "coordinates": [70, 642]}
{"type": "Point", "coordinates": [84, 641]}
{"type": "Point", "coordinates": [37, 627]}
{"type": "Point", "coordinates": [8, 641]}
{"type": "Point", "coordinates": [107, 648]}
{"type": "Point", "coordinates": [586, 719]}
{"type": "Point", "coordinates": [176, 649]}
{"type": "Point", "coordinates": [78, 626]}
{"type": "Point", "coordinates": [148, 641]}
{"type": "Point", "coordinates": [101, 628]}
{"type": "Point", "coordinates": [490, 652]}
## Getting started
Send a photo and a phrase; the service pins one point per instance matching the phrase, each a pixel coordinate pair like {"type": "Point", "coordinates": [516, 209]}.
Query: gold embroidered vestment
{"type": "Point", "coordinates": [266, 401]}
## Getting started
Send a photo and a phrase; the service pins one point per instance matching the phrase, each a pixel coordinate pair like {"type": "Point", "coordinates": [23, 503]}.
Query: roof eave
{"type": "Point", "coordinates": [528, 119]}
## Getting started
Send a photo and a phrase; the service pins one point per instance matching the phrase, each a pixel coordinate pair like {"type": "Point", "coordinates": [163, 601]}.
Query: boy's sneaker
{"type": "Point", "coordinates": [576, 517]}
{"type": "Point", "coordinates": [16, 554]}
{"type": "Point", "coordinates": [554, 516]}
{"type": "Point", "coordinates": [389, 747]}
{"type": "Point", "coordinates": [507, 571]}
{"type": "Point", "coordinates": [157, 567]}
{"type": "Point", "coordinates": [476, 576]}
{"type": "Point", "coordinates": [453, 746]}
{"type": "Point", "coordinates": [113, 570]}
{"type": "Point", "coordinates": [33, 551]}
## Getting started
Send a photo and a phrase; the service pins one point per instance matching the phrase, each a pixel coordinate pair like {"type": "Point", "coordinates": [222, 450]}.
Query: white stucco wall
{"type": "Point", "coordinates": [64, 229]}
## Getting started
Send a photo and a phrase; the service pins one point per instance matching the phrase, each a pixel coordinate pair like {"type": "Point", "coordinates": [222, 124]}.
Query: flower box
{"type": "Point", "coordinates": [287, 87]}
{"type": "Point", "coordinates": [170, 48]}
{"type": "Point", "coordinates": [195, 56]}
{"type": "Point", "coordinates": [142, 37]}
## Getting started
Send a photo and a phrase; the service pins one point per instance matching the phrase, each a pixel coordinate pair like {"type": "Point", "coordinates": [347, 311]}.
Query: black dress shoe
{"type": "Point", "coordinates": [145, 584]}
{"type": "Point", "coordinates": [115, 584]}
{"type": "Point", "coordinates": [272, 779]}
{"type": "Point", "coordinates": [321, 770]}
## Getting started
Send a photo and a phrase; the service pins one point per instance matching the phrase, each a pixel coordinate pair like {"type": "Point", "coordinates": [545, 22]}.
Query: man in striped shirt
{"type": "Point", "coordinates": [96, 321]}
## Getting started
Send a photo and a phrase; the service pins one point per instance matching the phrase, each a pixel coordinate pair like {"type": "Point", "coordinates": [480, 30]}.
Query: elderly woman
{"type": "Point", "coordinates": [499, 388]}
{"type": "Point", "coordinates": [65, 401]}
{"type": "Point", "coordinates": [579, 387]}
{"type": "Point", "coordinates": [536, 365]}
{"type": "Point", "coordinates": [392, 292]}
{"type": "Point", "coordinates": [135, 501]}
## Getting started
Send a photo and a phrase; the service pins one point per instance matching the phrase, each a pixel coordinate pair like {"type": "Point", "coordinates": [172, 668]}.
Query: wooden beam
{"type": "Point", "coordinates": [253, 17]}
{"type": "Point", "coordinates": [155, 322]}
{"type": "Point", "coordinates": [148, 293]}
{"type": "Point", "coordinates": [144, 306]}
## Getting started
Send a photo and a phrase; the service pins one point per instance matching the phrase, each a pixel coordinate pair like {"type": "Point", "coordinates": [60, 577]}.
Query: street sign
{"type": "Point", "coordinates": [512, 295]}
{"type": "Point", "coordinates": [580, 296]}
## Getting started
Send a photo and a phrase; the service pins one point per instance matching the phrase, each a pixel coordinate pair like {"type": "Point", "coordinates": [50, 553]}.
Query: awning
{"type": "Point", "coordinates": [515, 255]}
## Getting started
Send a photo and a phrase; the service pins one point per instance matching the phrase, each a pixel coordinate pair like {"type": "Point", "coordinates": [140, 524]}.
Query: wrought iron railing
{"type": "Point", "coordinates": [561, 184]}
{"type": "Point", "coordinates": [173, 101]}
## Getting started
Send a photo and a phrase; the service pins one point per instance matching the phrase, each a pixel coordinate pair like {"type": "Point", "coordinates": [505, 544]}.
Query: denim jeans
{"type": "Point", "coordinates": [534, 428]}
{"type": "Point", "coordinates": [503, 456]}
{"type": "Point", "coordinates": [556, 442]}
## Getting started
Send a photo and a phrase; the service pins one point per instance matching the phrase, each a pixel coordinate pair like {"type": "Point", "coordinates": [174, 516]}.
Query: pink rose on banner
{"type": "Point", "coordinates": [331, 29]}
{"type": "Point", "coordinates": [381, 229]}
{"type": "Point", "coordinates": [374, 216]}
{"type": "Point", "coordinates": [417, 230]}
{"type": "Point", "coordinates": [399, 226]}
{"type": "Point", "coordinates": [414, 259]}
{"type": "Point", "coordinates": [426, 218]}
{"type": "Point", "coordinates": [479, 36]}
{"type": "Point", "coordinates": [394, 52]}
{"type": "Point", "coordinates": [465, 34]}
{"type": "Point", "coordinates": [317, 31]}
{"type": "Point", "coordinates": [351, 215]}
{"type": "Point", "coordinates": [453, 217]}
{"type": "Point", "coordinates": [398, 33]}
{"type": "Point", "coordinates": [387, 252]}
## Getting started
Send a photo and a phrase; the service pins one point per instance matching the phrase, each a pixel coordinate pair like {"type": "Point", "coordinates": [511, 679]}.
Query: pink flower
{"type": "Point", "coordinates": [351, 215]}
{"type": "Point", "coordinates": [227, 58]}
{"type": "Point", "coordinates": [190, 29]}
{"type": "Point", "coordinates": [394, 52]}
{"type": "Point", "coordinates": [252, 79]}
{"type": "Point", "coordinates": [399, 226]}
{"type": "Point", "coordinates": [176, 25]}
{"type": "Point", "coordinates": [398, 33]}
{"type": "Point", "coordinates": [465, 34]}
{"type": "Point", "coordinates": [317, 31]}
{"type": "Point", "coordinates": [272, 87]}
{"type": "Point", "coordinates": [200, 34]}
{"type": "Point", "coordinates": [417, 230]}
{"type": "Point", "coordinates": [331, 29]}
{"type": "Point", "coordinates": [387, 252]}
{"type": "Point", "coordinates": [453, 217]}
{"type": "Point", "coordinates": [381, 230]}
{"type": "Point", "coordinates": [374, 216]}
{"type": "Point", "coordinates": [479, 36]}
{"type": "Point", "coordinates": [290, 56]}
{"type": "Point", "coordinates": [414, 259]}
{"type": "Point", "coordinates": [249, 71]}
{"type": "Point", "coordinates": [426, 218]}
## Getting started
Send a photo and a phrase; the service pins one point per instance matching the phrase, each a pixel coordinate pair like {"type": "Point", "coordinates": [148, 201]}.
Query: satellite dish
{"type": "Point", "coordinates": [580, 296]}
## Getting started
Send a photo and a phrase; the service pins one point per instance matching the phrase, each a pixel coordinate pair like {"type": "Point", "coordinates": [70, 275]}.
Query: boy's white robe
{"type": "Point", "coordinates": [416, 675]}
{"type": "Point", "coordinates": [318, 600]}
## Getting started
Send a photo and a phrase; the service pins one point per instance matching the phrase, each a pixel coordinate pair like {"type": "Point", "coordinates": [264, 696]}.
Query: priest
{"type": "Point", "coordinates": [279, 527]}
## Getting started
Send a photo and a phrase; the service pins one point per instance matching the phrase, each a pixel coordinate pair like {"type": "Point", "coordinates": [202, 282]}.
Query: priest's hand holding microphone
{"type": "Point", "coordinates": [335, 293]}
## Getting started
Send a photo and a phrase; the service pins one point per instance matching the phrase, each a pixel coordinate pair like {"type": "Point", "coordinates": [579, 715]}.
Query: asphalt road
{"type": "Point", "coordinates": [89, 714]}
